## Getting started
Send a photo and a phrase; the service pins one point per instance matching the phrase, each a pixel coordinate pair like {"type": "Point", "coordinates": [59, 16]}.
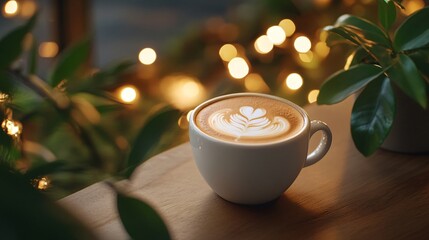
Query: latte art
{"type": "Point", "coordinates": [248, 122]}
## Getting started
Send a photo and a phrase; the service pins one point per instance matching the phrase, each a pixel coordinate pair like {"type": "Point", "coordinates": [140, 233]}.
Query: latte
{"type": "Point", "coordinates": [249, 119]}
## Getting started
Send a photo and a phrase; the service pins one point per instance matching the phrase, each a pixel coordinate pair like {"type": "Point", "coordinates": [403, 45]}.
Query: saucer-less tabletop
{"type": "Point", "coordinates": [344, 196]}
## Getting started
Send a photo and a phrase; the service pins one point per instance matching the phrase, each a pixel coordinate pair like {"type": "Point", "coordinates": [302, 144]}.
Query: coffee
{"type": "Point", "coordinates": [249, 119]}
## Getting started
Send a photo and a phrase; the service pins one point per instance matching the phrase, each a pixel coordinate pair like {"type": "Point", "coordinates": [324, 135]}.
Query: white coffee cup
{"type": "Point", "coordinates": [255, 173]}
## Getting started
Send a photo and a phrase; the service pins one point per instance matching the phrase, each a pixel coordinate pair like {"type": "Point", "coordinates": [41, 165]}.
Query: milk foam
{"type": "Point", "coordinates": [248, 122]}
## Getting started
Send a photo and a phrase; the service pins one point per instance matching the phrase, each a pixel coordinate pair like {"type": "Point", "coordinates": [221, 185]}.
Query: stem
{"type": "Point", "coordinates": [64, 110]}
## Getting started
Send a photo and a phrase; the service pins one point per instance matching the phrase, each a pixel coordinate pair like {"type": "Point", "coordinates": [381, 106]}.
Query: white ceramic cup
{"type": "Point", "coordinates": [255, 173]}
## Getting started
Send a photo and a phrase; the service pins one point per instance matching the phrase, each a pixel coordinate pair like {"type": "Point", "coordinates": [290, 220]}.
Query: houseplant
{"type": "Point", "coordinates": [386, 67]}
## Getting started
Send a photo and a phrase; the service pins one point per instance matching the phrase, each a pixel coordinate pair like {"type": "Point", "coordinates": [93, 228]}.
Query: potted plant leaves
{"type": "Point", "coordinates": [389, 73]}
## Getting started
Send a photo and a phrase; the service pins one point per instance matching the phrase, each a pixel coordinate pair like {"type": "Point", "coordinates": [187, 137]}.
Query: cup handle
{"type": "Point", "coordinates": [324, 144]}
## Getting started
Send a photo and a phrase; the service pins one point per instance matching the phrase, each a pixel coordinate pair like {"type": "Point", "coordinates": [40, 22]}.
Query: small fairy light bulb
{"type": "Point", "coordinates": [302, 44]}
{"type": "Point", "coordinates": [294, 81]}
{"type": "Point", "coordinates": [128, 94]}
{"type": "Point", "coordinates": [276, 34]}
{"type": "Point", "coordinates": [147, 56]}
{"type": "Point", "coordinates": [12, 128]}
{"type": "Point", "coordinates": [238, 68]}
{"type": "Point", "coordinates": [263, 44]}
{"type": "Point", "coordinates": [228, 52]}
{"type": "Point", "coordinates": [312, 95]}
{"type": "Point", "coordinates": [43, 183]}
{"type": "Point", "coordinates": [10, 8]}
{"type": "Point", "coordinates": [3, 97]}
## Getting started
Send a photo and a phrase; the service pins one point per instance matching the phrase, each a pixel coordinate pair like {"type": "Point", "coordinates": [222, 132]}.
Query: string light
{"type": "Point", "coordinates": [312, 96]}
{"type": "Point", "coordinates": [294, 81]}
{"type": "Point", "coordinates": [12, 128]}
{"type": "Point", "coordinates": [302, 44]}
{"type": "Point", "coordinates": [48, 49]}
{"type": "Point", "coordinates": [147, 56]}
{"type": "Point", "coordinates": [276, 34]}
{"type": "Point", "coordinates": [288, 26]}
{"type": "Point", "coordinates": [238, 68]}
{"type": "Point", "coordinates": [42, 183]}
{"type": "Point", "coordinates": [228, 52]}
{"type": "Point", "coordinates": [10, 8]}
{"type": "Point", "coordinates": [128, 94]}
{"type": "Point", "coordinates": [263, 44]}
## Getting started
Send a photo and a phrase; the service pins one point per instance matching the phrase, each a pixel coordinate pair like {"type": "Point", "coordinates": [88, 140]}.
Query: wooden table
{"type": "Point", "coordinates": [344, 196]}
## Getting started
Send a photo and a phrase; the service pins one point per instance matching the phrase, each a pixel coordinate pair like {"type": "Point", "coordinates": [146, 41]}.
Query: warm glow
{"type": "Point", "coordinates": [306, 57]}
{"type": "Point", "coordinates": [43, 183]}
{"type": "Point", "coordinates": [238, 68]}
{"type": "Point", "coordinates": [28, 8]}
{"type": "Point", "coordinates": [13, 128]}
{"type": "Point", "coordinates": [263, 44]}
{"type": "Point", "coordinates": [227, 52]}
{"type": "Point", "coordinates": [322, 50]}
{"type": "Point", "coordinates": [10, 8]}
{"type": "Point", "coordinates": [412, 5]}
{"type": "Point", "coordinates": [182, 91]}
{"type": "Point", "coordinates": [302, 44]}
{"type": "Point", "coordinates": [348, 62]}
{"type": "Point", "coordinates": [128, 94]}
{"type": "Point", "coordinates": [276, 34]}
{"type": "Point", "coordinates": [288, 26]}
{"type": "Point", "coordinates": [312, 95]}
{"type": "Point", "coordinates": [294, 81]}
{"type": "Point", "coordinates": [255, 83]}
{"type": "Point", "coordinates": [322, 3]}
{"type": "Point", "coordinates": [147, 56]}
{"type": "Point", "coordinates": [48, 49]}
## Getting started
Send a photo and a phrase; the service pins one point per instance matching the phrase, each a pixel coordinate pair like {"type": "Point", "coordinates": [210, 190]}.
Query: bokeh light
{"type": "Point", "coordinates": [238, 68]}
{"type": "Point", "coordinates": [12, 128]}
{"type": "Point", "coordinates": [263, 44]}
{"type": "Point", "coordinates": [306, 57]}
{"type": "Point", "coordinates": [288, 26]}
{"type": "Point", "coordinates": [147, 56]}
{"type": "Point", "coordinates": [276, 34]}
{"type": "Point", "coordinates": [312, 96]}
{"type": "Point", "coordinates": [28, 8]}
{"type": "Point", "coordinates": [43, 183]}
{"type": "Point", "coordinates": [128, 94]}
{"type": "Point", "coordinates": [10, 8]}
{"type": "Point", "coordinates": [182, 91]}
{"type": "Point", "coordinates": [228, 52]}
{"type": "Point", "coordinates": [302, 44]}
{"type": "Point", "coordinates": [321, 49]}
{"type": "Point", "coordinates": [255, 83]}
{"type": "Point", "coordinates": [412, 5]}
{"type": "Point", "coordinates": [48, 49]}
{"type": "Point", "coordinates": [294, 81]}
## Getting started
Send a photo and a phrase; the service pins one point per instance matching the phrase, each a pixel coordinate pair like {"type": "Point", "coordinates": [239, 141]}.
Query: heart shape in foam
{"type": "Point", "coordinates": [251, 113]}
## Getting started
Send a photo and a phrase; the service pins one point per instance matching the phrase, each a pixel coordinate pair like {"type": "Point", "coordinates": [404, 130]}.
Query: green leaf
{"type": "Point", "coordinates": [372, 116]}
{"type": "Point", "coordinates": [140, 220]}
{"type": "Point", "coordinates": [413, 32]}
{"type": "Point", "coordinates": [70, 61]}
{"type": "Point", "coordinates": [421, 60]}
{"type": "Point", "coordinates": [405, 74]}
{"type": "Point", "coordinates": [338, 35]}
{"type": "Point", "coordinates": [363, 28]}
{"type": "Point", "coordinates": [360, 55]}
{"type": "Point", "coordinates": [149, 136]}
{"type": "Point", "coordinates": [42, 217]}
{"type": "Point", "coordinates": [386, 13]}
{"type": "Point", "coordinates": [11, 44]}
{"type": "Point", "coordinates": [345, 82]}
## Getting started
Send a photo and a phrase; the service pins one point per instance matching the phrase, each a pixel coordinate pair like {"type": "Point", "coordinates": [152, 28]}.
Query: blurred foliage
{"type": "Point", "coordinates": [67, 132]}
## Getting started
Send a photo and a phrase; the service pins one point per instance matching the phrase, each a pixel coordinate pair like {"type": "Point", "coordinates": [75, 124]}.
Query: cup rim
{"type": "Point", "coordinates": [301, 111]}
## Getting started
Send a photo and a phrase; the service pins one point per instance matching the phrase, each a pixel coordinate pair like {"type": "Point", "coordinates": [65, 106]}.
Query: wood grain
{"type": "Point", "coordinates": [344, 196]}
